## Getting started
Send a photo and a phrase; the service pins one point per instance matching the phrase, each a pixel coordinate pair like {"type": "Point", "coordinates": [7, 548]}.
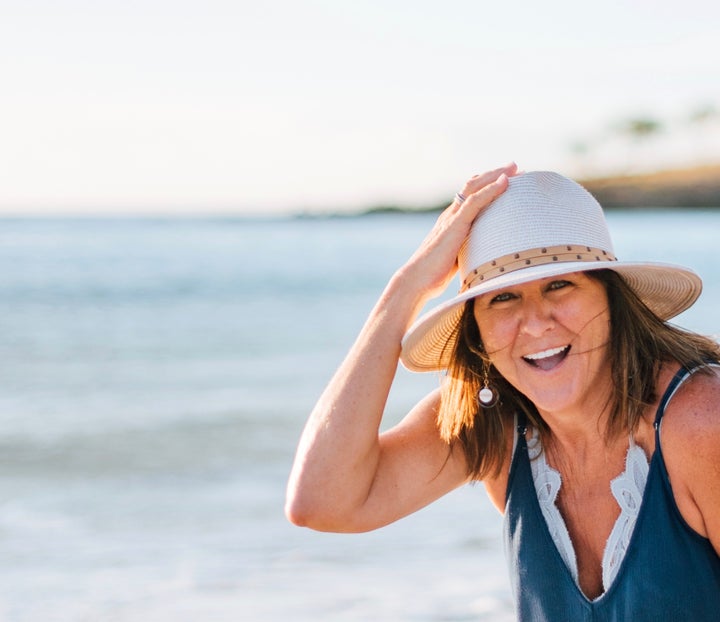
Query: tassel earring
{"type": "Point", "coordinates": [487, 395]}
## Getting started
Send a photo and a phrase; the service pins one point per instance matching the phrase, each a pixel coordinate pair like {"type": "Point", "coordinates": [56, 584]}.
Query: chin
{"type": "Point", "coordinates": [553, 401]}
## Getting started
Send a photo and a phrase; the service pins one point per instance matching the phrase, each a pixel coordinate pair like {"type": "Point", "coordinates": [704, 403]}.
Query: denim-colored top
{"type": "Point", "coordinates": [669, 572]}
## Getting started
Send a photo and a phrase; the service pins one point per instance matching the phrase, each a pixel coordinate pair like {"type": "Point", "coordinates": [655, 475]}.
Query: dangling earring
{"type": "Point", "coordinates": [487, 395]}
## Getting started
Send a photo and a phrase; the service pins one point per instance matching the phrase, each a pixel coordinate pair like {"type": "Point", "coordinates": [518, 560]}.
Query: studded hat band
{"type": "Point", "coordinates": [534, 257]}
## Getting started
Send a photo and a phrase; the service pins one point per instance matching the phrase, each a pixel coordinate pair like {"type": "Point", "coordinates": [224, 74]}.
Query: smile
{"type": "Point", "coordinates": [547, 359]}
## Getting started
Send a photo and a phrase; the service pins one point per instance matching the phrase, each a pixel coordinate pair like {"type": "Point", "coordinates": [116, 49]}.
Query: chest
{"type": "Point", "coordinates": [668, 572]}
{"type": "Point", "coordinates": [589, 515]}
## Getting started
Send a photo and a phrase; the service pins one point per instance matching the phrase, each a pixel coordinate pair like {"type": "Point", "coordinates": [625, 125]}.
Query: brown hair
{"type": "Point", "coordinates": [640, 343]}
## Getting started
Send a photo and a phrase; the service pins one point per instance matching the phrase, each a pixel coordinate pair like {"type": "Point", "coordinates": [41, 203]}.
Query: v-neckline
{"type": "Point", "coordinates": [627, 489]}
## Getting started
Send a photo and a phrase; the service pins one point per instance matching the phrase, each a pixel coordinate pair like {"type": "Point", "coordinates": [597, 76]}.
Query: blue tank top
{"type": "Point", "coordinates": [669, 573]}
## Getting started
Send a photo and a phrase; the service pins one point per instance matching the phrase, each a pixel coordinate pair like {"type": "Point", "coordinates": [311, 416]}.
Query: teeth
{"type": "Point", "coordinates": [545, 353]}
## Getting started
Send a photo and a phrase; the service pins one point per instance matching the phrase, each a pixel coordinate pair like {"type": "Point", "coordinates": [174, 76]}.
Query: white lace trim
{"type": "Point", "coordinates": [627, 488]}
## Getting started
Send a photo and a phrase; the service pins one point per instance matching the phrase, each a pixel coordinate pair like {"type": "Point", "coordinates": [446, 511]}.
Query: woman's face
{"type": "Point", "coordinates": [549, 339]}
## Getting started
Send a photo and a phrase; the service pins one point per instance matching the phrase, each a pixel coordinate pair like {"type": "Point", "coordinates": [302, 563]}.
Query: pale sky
{"type": "Point", "coordinates": [149, 106]}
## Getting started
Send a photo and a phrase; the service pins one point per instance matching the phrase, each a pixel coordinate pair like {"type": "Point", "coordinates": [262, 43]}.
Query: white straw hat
{"type": "Point", "coordinates": [543, 225]}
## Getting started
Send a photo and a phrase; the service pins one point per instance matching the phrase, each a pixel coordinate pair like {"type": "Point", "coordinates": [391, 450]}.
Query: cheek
{"type": "Point", "coordinates": [596, 322]}
{"type": "Point", "coordinates": [497, 336]}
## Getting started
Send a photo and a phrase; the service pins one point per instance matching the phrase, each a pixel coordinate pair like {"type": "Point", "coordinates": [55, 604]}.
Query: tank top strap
{"type": "Point", "coordinates": [521, 424]}
{"type": "Point", "coordinates": [676, 381]}
{"type": "Point", "coordinates": [680, 376]}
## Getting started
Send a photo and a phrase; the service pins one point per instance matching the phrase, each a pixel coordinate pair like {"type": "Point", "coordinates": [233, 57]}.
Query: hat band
{"type": "Point", "coordinates": [534, 257]}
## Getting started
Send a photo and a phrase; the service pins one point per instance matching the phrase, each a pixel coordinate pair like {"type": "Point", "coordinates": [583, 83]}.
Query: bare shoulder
{"type": "Point", "coordinates": [690, 440]}
{"type": "Point", "coordinates": [693, 414]}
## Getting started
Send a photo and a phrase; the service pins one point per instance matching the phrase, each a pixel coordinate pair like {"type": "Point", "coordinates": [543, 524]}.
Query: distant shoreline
{"type": "Point", "coordinates": [696, 187]}
{"type": "Point", "coordinates": [690, 187]}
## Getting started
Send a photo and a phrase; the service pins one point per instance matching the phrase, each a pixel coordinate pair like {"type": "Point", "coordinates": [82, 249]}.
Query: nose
{"type": "Point", "coordinates": [537, 317]}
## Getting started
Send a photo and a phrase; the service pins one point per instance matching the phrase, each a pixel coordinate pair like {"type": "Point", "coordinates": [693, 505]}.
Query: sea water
{"type": "Point", "coordinates": [155, 375]}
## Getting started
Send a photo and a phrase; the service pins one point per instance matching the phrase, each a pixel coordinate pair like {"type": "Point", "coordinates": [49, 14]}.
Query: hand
{"type": "Point", "coordinates": [434, 263]}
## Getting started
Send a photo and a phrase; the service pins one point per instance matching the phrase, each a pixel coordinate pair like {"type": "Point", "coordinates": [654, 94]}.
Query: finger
{"type": "Point", "coordinates": [474, 185]}
{"type": "Point", "coordinates": [480, 181]}
{"type": "Point", "coordinates": [478, 201]}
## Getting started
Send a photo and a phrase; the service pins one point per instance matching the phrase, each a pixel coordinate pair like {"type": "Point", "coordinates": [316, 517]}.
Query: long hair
{"type": "Point", "coordinates": [640, 343]}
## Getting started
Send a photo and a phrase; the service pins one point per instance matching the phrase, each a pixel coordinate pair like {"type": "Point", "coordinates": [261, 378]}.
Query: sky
{"type": "Point", "coordinates": [265, 106]}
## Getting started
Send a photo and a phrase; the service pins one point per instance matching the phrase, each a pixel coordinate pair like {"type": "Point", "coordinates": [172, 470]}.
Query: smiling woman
{"type": "Point", "coordinates": [561, 367]}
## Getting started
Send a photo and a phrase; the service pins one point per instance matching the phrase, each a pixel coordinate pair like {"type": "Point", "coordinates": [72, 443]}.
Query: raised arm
{"type": "Point", "coordinates": [346, 476]}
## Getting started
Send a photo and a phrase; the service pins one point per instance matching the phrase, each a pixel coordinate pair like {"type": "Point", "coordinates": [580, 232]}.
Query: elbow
{"type": "Point", "coordinates": [296, 512]}
{"type": "Point", "coordinates": [300, 506]}
{"type": "Point", "coordinates": [306, 505]}
{"type": "Point", "coordinates": [304, 513]}
{"type": "Point", "coordinates": [311, 512]}
{"type": "Point", "coordinates": [301, 510]}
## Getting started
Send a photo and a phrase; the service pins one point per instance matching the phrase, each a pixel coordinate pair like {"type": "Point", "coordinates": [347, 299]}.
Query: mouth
{"type": "Point", "coordinates": [547, 359]}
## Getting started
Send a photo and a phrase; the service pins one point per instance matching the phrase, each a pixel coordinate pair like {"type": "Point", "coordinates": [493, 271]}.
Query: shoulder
{"type": "Point", "coordinates": [690, 439]}
{"type": "Point", "coordinates": [693, 413]}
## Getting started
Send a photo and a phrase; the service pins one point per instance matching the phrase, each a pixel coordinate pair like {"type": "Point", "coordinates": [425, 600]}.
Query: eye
{"type": "Point", "coordinates": [502, 297]}
{"type": "Point", "coordinates": [559, 284]}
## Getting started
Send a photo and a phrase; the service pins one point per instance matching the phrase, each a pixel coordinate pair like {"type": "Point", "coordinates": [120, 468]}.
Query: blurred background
{"type": "Point", "coordinates": [199, 204]}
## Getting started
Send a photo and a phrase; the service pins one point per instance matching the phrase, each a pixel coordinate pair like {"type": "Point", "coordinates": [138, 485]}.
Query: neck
{"type": "Point", "coordinates": [584, 454]}
{"type": "Point", "coordinates": [581, 432]}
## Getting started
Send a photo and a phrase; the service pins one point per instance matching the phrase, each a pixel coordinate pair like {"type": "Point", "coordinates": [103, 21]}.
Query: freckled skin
{"type": "Point", "coordinates": [527, 319]}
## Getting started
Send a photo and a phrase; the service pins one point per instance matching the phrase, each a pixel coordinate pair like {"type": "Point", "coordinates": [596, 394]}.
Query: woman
{"type": "Point", "coordinates": [561, 368]}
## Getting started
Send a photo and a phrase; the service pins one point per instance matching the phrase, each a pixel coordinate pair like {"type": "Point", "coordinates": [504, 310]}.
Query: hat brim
{"type": "Point", "coordinates": [666, 289]}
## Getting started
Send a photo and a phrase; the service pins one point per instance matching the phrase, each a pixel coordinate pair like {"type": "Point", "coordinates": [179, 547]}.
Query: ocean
{"type": "Point", "coordinates": [155, 374]}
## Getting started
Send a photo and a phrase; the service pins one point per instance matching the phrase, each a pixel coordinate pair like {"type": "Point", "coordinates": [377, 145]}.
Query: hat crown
{"type": "Point", "coordinates": [538, 209]}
